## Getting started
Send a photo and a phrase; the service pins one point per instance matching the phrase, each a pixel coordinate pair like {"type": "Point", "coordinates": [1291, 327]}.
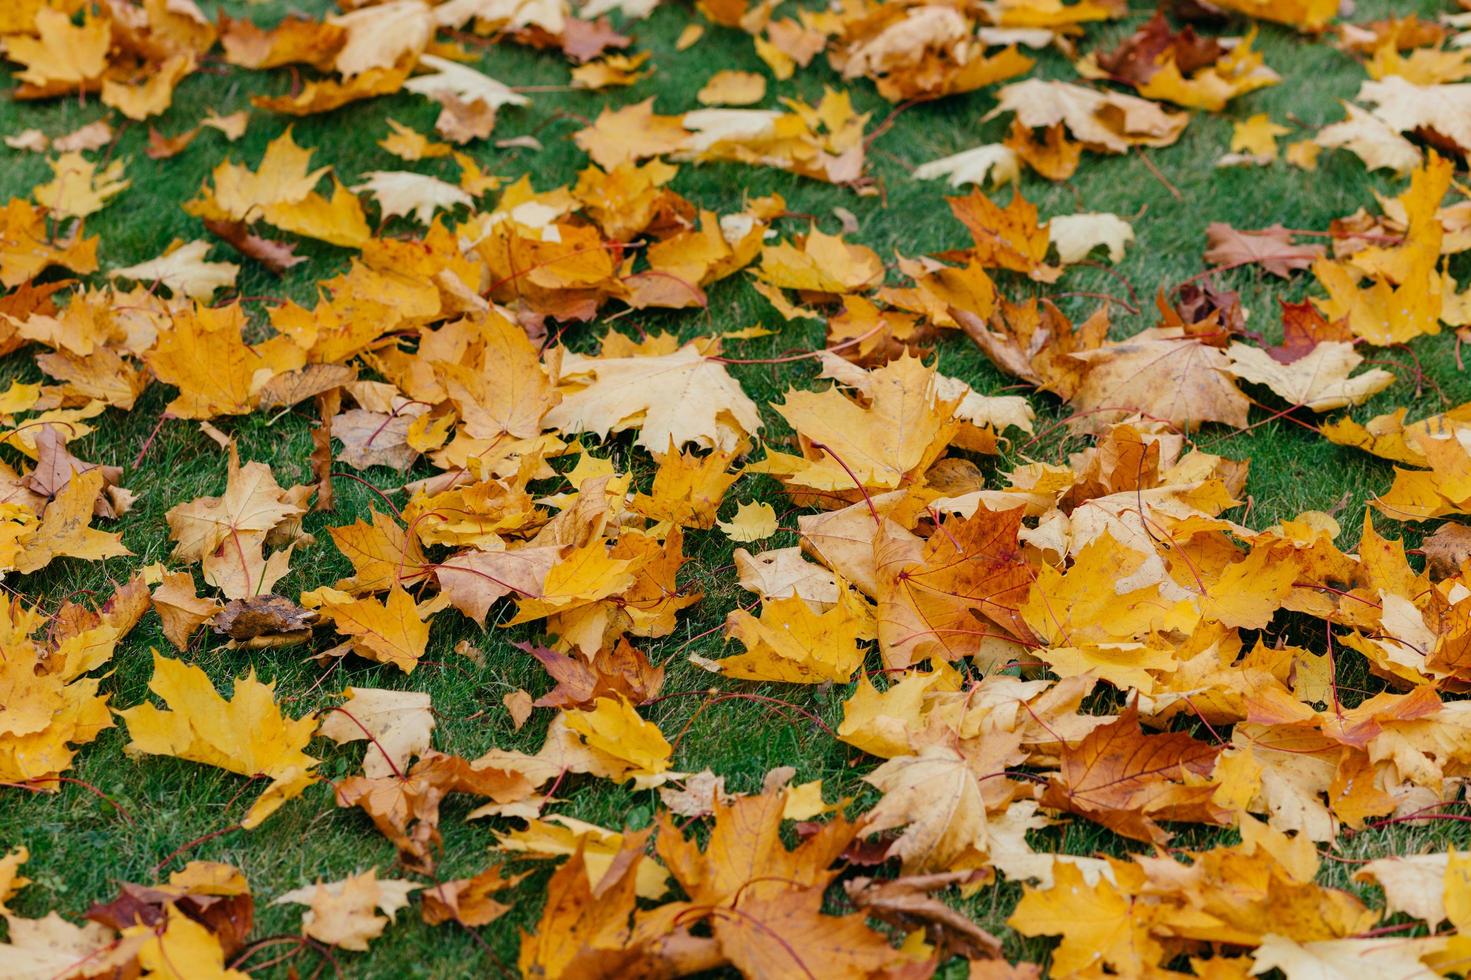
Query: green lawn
{"type": "Point", "coordinates": [82, 847]}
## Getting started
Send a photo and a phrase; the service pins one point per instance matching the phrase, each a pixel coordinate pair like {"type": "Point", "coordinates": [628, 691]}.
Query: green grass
{"type": "Point", "coordinates": [82, 848]}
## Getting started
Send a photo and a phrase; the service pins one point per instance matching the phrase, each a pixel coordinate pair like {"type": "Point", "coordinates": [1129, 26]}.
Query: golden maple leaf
{"type": "Point", "coordinates": [204, 354]}
{"type": "Point", "coordinates": [62, 57]}
{"type": "Point", "coordinates": [246, 734]}
{"type": "Point", "coordinates": [391, 631]}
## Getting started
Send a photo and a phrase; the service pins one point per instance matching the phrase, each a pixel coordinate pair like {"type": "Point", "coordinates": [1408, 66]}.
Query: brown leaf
{"type": "Point", "coordinates": [622, 670]}
{"type": "Point", "coordinates": [1036, 342]}
{"type": "Point", "coordinates": [328, 403]}
{"type": "Point", "coordinates": [161, 147]}
{"type": "Point", "coordinates": [944, 601]}
{"type": "Point", "coordinates": [275, 256]}
{"type": "Point", "coordinates": [1140, 55]}
{"type": "Point", "coordinates": [1447, 549]}
{"type": "Point", "coordinates": [1304, 328]}
{"type": "Point", "coordinates": [1125, 780]}
{"type": "Point", "coordinates": [311, 381]}
{"type": "Point", "coordinates": [1201, 304]}
{"type": "Point", "coordinates": [468, 901]}
{"type": "Point", "coordinates": [212, 894]}
{"type": "Point", "coordinates": [265, 621]}
{"type": "Point", "coordinates": [56, 466]}
{"type": "Point", "coordinates": [406, 810]}
{"type": "Point", "coordinates": [1271, 248]}
{"type": "Point", "coordinates": [906, 903]}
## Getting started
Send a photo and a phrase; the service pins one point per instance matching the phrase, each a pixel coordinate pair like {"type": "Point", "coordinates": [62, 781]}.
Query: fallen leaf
{"type": "Point", "coordinates": [398, 725]}
{"type": "Point", "coordinates": [1271, 248]}
{"type": "Point", "coordinates": [247, 734]}
{"type": "Point", "coordinates": [346, 913]}
{"type": "Point", "coordinates": [732, 88]}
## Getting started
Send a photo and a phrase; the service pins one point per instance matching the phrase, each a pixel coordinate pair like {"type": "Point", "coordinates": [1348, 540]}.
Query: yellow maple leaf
{"type": "Point", "coordinates": [77, 189]}
{"type": "Point", "coordinates": [672, 399]}
{"type": "Point", "coordinates": [905, 426]}
{"type": "Point", "coordinates": [1257, 136]}
{"type": "Point", "coordinates": [1051, 13]}
{"type": "Point", "coordinates": [46, 708]}
{"type": "Point", "coordinates": [557, 836]}
{"type": "Point", "coordinates": [26, 248]}
{"type": "Point", "coordinates": [612, 729]}
{"type": "Point", "coordinates": [632, 132]}
{"type": "Point", "coordinates": [1084, 605]}
{"type": "Point", "coordinates": [614, 71]}
{"type": "Point", "coordinates": [732, 88]}
{"type": "Point", "coordinates": [1237, 73]}
{"type": "Point", "coordinates": [1098, 923]}
{"type": "Point", "coordinates": [791, 642]}
{"type": "Point", "coordinates": [1404, 297]}
{"type": "Point", "coordinates": [179, 947]}
{"type": "Point", "coordinates": [391, 631]}
{"type": "Point", "coordinates": [408, 143]}
{"type": "Point", "coordinates": [203, 353]}
{"type": "Point", "coordinates": [62, 57]}
{"type": "Point", "coordinates": [252, 502]}
{"type": "Point", "coordinates": [1305, 15]}
{"type": "Point", "coordinates": [326, 94]}
{"type": "Point", "coordinates": [246, 734]}
{"type": "Point", "coordinates": [282, 177]}
{"type": "Point", "coordinates": [879, 722]}
{"type": "Point", "coordinates": [64, 531]}
{"type": "Point", "coordinates": [381, 553]}
{"type": "Point", "coordinates": [688, 488]}
{"type": "Point", "coordinates": [584, 575]}
{"type": "Point", "coordinates": [338, 220]}
{"type": "Point", "coordinates": [753, 521]}
{"type": "Point", "coordinates": [820, 263]}
{"type": "Point", "coordinates": [152, 96]}
{"type": "Point", "coordinates": [936, 798]}
{"type": "Point", "coordinates": [499, 384]}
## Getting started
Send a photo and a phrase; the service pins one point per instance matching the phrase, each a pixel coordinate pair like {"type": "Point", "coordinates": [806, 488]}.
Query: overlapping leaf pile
{"type": "Point", "coordinates": [1025, 638]}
